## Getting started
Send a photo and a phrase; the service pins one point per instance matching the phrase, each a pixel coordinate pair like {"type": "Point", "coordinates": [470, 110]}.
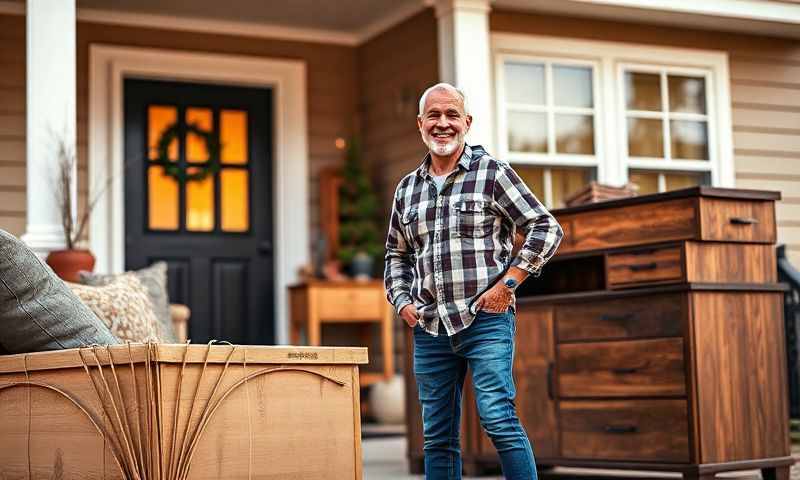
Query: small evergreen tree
{"type": "Point", "coordinates": [358, 210]}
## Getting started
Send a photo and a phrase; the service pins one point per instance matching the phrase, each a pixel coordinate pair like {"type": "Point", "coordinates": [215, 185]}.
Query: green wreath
{"type": "Point", "coordinates": [201, 170]}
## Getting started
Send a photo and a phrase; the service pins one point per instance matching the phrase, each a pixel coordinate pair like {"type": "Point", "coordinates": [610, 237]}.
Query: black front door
{"type": "Point", "coordinates": [215, 232]}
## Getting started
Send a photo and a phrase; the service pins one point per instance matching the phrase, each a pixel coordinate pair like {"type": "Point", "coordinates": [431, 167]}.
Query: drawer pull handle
{"type": "Point", "coordinates": [624, 370]}
{"type": "Point", "coordinates": [550, 367]}
{"type": "Point", "coordinates": [620, 429]}
{"type": "Point", "coordinates": [744, 220]}
{"type": "Point", "coordinates": [616, 318]}
{"type": "Point", "coordinates": [643, 266]}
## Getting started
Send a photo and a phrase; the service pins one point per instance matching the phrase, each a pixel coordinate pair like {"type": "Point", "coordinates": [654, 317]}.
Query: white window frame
{"type": "Point", "coordinates": [611, 143]}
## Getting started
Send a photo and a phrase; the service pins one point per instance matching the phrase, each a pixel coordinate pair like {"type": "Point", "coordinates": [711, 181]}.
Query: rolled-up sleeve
{"type": "Point", "coordinates": [542, 231]}
{"type": "Point", "coordinates": [398, 273]}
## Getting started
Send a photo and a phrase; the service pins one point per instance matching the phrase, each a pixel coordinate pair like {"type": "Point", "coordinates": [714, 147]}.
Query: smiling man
{"type": "Point", "coordinates": [450, 276]}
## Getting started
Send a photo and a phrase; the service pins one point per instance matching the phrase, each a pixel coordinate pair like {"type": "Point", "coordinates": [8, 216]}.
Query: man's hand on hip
{"type": "Point", "coordinates": [495, 300]}
{"type": "Point", "coordinates": [410, 315]}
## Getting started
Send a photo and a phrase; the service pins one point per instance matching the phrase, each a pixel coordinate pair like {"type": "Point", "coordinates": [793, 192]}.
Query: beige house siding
{"type": "Point", "coordinates": [12, 124]}
{"type": "Point", "coordinates": [765, 93]}
{"type": "Point", "coordinates": [394, 69]}
{"type": "Point", "coordinates": [331, 77]}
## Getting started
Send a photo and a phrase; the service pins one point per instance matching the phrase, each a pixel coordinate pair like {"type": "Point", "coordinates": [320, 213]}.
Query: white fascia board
{"type": "Point", "coordinates": [763, 10]}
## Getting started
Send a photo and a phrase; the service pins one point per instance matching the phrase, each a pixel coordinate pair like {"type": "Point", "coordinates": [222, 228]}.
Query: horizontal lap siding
{"type": "Point", "coordinates": [12, 124]}
{"type": "Point", "coordinates": [765, 95]}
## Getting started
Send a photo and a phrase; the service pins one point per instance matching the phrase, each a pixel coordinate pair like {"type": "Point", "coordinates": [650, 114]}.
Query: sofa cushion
{"type": "Point", "coordinates": [154, 279]}
{"type": "Point", "coordinates": [124, 306]}
{"type": "Point", "coordinates": [37, 309]}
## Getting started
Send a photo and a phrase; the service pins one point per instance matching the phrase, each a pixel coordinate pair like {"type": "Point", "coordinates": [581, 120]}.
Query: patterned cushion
{"type": "Point", "coordinates": [124, 306]}
{"type": "Point", "coordinates": [154, 279]}
{"type": "Point", "coordinates": [37, 310]}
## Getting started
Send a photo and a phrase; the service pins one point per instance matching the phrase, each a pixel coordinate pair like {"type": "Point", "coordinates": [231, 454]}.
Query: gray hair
{"type": "Point", "coordinates": [442, 86]}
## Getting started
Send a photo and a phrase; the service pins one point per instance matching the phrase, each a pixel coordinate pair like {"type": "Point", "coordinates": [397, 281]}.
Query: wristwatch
{"type": "Point", "coordinates": [511, 283]}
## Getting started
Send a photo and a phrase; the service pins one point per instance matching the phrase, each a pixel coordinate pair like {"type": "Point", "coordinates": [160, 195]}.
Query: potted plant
{"type": "Point", "coordinates": [72, 259]}
{"type": "Point", "coordinates": [359, 238]}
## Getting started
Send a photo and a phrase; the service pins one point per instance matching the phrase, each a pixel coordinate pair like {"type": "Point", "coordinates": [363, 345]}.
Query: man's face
{"type": "Point", "coordinates": [443, 124]}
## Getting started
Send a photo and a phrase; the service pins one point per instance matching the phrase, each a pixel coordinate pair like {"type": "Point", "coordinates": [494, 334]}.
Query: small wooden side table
{"type": "Point", "coordinates": [315, 302]}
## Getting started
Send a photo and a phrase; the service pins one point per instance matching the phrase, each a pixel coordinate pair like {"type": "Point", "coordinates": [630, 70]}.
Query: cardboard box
{"type": "Point", "coordinates": [182, 412]}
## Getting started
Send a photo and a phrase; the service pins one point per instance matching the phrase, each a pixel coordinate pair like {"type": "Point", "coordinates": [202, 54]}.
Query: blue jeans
{"type": "Point", "coordinates": [440, 365]}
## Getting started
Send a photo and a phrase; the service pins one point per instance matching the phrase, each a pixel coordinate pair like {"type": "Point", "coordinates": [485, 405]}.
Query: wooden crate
{"type": "Point", "coordinates": [181, 412]}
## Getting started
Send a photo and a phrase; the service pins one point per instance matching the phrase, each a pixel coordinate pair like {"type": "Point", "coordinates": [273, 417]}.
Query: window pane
{"type": "Point", "coordinates": [234, 198]}
{"type": "Point", "coordinates": [645, 137]}
{"type": "Point", "coordinates": [196, 151]}
{"type": "Point", "coordinates": [567, 181]}
{"type": "Point", "coordinates": [643, 91]}
{"type": "Point", "coordinates": [689, 140]}
{"type": "Point", "coordinates": [573, 86]}
{"type": "Point", "coordinates": [533, 178]}
{"type": "Point", "coordinates": [200, 204]}
{"type": "Point", "coordinates": [524, 83]}
{"type": "Point", "coordinates": [646, 181]}
{"type": "Point", "coordinates": [162, 200]}
{"type": "Point", "coordinates": [159, 118]}
{"type": "Point", "coordinates": [574, 134]}
{"type": "Point", "coordinates": [527, 132]}
{"type": "Point", "coordinates": [679, 180]}
{"type": "Point", "coordinates": [687, 94]}
{"type": "Point", "coordinates": [233, 134]}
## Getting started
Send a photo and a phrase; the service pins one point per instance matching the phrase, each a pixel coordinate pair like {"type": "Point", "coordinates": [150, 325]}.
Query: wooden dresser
{"type": "Point", "coordinates": [652, 341]}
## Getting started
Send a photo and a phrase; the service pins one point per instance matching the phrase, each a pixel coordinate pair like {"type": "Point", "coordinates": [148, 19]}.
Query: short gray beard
{"type": "Point", "coordinates": [442, 150]}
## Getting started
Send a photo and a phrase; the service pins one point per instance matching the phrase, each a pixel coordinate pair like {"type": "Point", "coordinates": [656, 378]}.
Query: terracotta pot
{"type": "Point", "coordinates": [67, 263]}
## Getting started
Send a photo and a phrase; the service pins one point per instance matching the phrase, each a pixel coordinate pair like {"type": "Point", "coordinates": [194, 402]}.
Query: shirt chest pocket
{"type": "Point", "coordinates": [414, 226]}
{"type": "Point", "coordinates": [474, 219]}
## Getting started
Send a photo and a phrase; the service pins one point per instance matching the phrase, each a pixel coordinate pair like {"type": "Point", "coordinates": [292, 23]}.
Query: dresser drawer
{"type": "Point", "coordinates": [636, 430]}
{"type": "Point", "coordinates": [737, 220]}
{"type": "Point", "coordinates": [625, 368]}
{"type": "Point", "coordinates": [350, 303]}
{"type": "Point", "coordinates": [660, 315]}
{"type": "Point", "coordinates": [644, 266]}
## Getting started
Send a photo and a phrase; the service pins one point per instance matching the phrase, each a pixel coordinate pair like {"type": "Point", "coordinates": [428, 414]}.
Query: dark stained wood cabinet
{"type": "Point", "coordinates": [653, 340]}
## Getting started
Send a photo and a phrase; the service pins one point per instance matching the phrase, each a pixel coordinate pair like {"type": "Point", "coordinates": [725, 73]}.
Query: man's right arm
{"type": "Point", "coordinates": [398, 274]}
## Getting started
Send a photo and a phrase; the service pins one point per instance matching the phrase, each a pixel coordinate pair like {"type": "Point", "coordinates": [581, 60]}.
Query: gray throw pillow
{"type": "Point", "coordinates": [37, 310]}
{"type": "Point", "coordinates": [154, 280]}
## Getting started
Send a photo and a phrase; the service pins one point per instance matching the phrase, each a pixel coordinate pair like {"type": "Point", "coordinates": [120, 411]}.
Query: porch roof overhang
{"type": "Point", "coordinates": [352, 22]}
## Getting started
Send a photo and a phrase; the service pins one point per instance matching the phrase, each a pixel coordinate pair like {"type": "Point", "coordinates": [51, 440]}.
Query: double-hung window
{"type": "Point", "coordinates": [572, 111]}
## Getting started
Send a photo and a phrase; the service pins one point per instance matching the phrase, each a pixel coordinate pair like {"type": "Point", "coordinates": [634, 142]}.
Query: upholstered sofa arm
{"type": "Point", "coordinates": [180, 320]}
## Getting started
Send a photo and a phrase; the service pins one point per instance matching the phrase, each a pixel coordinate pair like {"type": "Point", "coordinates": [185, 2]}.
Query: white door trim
{"type": "Point", "coordinates": [109, 65]}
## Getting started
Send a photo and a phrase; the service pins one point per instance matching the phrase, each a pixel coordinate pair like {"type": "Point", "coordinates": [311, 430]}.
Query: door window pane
{"type": "Point", "coordinates": [687, 94]}
{"type": "Point", "coordinates": [645, 137]}
{"type": "Point", "coordinates": [159, 118]}
{"type": "Point", "coordinates": [234, 193]}
{"type": "Point", "coordinates": [574, 134]}
{"type": "Point", "coordinates": [573, 86]}
{"type": "Point", "coordinates": [196, 151]}
{"type": "Point", "coordinates": [524, 83]}
{"type": "Point", "coordinates": [200, 204]}
{"type": "Point", "coordinates": [643, 91]}
{"type": "Point", "coordinates": [689, 140]}
{"type": "Point", "coordinates": [162, 200]}
{"type": "Point", "coordinates": [527, 132]}
{"type": "Point", "coordinates": [233, 135]}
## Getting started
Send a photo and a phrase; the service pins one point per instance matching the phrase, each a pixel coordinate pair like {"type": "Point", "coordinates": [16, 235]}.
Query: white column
{"type": "Point", "coordinates": [51, 114]}
{"type": "Point", "coordinates": [464, 61]}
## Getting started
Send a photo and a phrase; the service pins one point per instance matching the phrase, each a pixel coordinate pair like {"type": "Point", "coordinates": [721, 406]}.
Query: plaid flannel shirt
{"type": "Point", "coordinates": [443, 250]}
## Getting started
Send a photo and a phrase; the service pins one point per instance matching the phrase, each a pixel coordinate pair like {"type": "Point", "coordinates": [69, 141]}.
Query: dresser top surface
{"type": "Point", "coordinates": [698, 191]}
